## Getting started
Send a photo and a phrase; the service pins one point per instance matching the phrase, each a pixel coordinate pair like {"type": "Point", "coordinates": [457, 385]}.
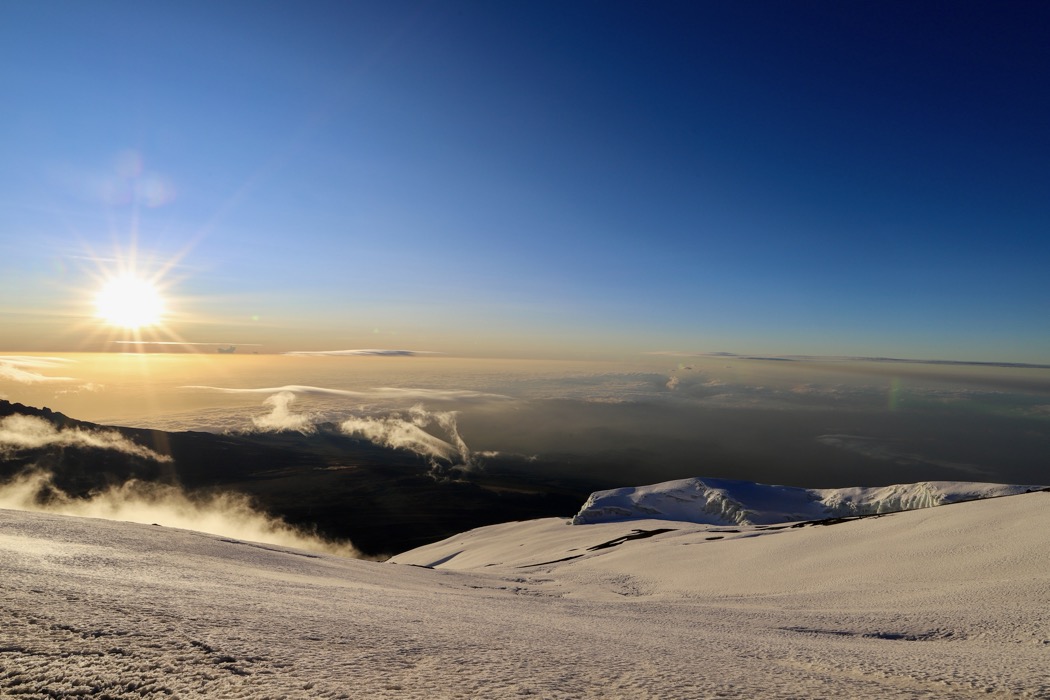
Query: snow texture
{"type": "Point", "coordinates": [731, 502]}
{"type": "Point", "coordinates": [946, 602]}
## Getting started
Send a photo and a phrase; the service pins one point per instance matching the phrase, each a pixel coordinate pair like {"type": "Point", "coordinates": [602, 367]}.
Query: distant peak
{"type": "Point", "coordinates": [733, 502]}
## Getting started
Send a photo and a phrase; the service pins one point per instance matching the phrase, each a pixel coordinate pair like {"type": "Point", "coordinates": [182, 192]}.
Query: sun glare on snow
{"type": "Point", "coordinates": [129, 302]}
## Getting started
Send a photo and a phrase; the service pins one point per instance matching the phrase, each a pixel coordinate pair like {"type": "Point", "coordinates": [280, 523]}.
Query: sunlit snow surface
{"type": "Point", "coordinates": [947, 602]}
{"type": "Point", "coordinates": [734, 502]}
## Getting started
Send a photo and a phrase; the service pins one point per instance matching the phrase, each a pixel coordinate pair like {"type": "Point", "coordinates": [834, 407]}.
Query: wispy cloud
{"type": "Point", "coordinates": [23, 368]}
{"type": "Point", "coordinates": [402, 430]}
{"type": "Point", "coordinates": [90, 387]}
{"type": "Point", "coordinates": [362, 352]}
{"type": "Point", "coordinates": [21, 432]}
{"type": "Point", "coordinates": [408, 433]}
{"type": "Point", "coordinates": [226, 514]}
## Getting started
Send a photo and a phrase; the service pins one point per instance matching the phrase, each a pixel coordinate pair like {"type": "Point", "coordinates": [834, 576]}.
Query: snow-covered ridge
{"type": "Point", "coordinates": [732, 502]}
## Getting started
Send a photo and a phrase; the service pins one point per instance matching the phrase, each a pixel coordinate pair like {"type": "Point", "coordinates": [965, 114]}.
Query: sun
{"type": "Point", "coordinates": [129, 302]}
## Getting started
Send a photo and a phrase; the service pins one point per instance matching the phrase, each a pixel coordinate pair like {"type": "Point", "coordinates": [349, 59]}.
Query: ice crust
{"type": "Point", "coordinates": [732, 502]}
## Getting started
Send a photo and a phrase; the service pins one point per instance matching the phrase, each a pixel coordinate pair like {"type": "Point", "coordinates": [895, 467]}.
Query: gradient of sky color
{"type": "Point", "coordinates": [534, 178]}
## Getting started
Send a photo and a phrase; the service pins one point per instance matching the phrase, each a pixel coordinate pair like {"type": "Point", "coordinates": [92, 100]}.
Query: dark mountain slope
{"type": "Point", "coordinates": [384, 500]}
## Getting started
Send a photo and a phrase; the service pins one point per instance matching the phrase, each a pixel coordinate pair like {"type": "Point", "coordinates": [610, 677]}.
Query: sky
{"type": "Point", "coordinates": [541, 179]}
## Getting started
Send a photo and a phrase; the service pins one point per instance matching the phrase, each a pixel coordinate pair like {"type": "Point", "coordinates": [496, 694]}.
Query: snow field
{"type": "Point", "coordinates": [949, 602]}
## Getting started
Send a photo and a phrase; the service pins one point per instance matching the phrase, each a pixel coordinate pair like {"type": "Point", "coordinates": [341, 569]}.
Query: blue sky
{"type": "Point", "coordinates": [534, 178]}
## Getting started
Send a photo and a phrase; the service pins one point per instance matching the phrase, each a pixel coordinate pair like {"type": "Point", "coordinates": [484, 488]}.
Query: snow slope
{"type": "Point", "coordinates": [731, 502]}
{"type": "Point", "coordinates": [947, 602]}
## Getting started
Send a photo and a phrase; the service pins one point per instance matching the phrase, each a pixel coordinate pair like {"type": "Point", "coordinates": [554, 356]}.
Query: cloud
{"type": "Point", "coordinates": [378, 394]}
{"type": "Point", "coordinates": [19, 368]}
{"type": "Point", "coordinates": [399, 434]}
{"type": "Point", "coordinates": [407, 433]}
{"type": "Point", "coordinates": [363, 352]}
{"type": "Point", "coordinates": [225, 514]}
{"type": "Point", "coordinates": [90, 387]}
{"type": "Point", "coordinates": [672, 383]}
{"type": "Point", "coordinates": [21, 432]}
{"type": "Point", "coordinates": [281, 417]}
{"type": "Point", "coordinates": [403, 430]}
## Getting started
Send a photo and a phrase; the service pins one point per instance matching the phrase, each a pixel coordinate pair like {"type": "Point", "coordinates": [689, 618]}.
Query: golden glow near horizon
{"type": "Point", "coordinates": [129, 302]}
